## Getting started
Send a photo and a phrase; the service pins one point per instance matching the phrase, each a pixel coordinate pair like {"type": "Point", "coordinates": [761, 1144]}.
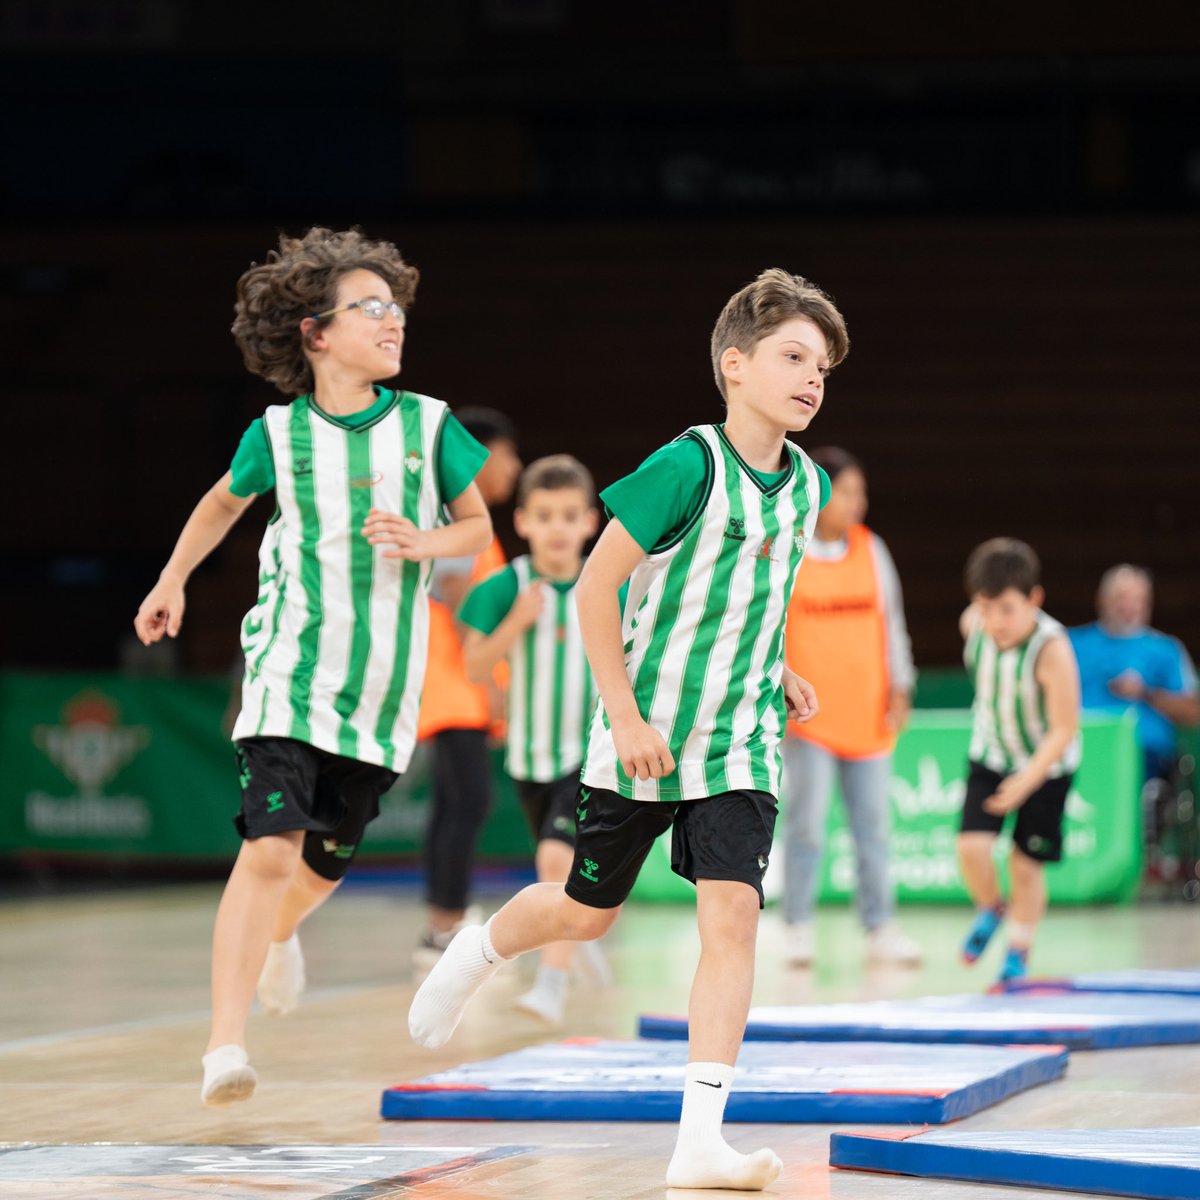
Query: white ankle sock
{"type": "Point", "coordinates": [702, 1158]}
{"type": "Point", "coordinates": [1020, 937]}
{"type": "Point", "coordinates": [438, 1006]}
{"type": "Point", "coordinates": [282, 978]}
{"type": "Point", "coordinates": [547, 999]}
{"type": "Point", "coordinates": [228, 1076]}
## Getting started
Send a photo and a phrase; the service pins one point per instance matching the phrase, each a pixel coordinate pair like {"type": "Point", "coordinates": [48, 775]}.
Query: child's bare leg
{"type": "Point", "coordinates": [979, 868]}
{"type": "Point", "coordinates": [282, 980]}
{"type": "Point", "coordinates": [536, 916]}
{"type": "Point", "coordinates": [727, 913]}
{"type": "Point", "coordinates": [1025, 911]}
{"type": "Point", "coordinates": [249, 906]}
{"type": "Point", "coordinates": [547, 999]}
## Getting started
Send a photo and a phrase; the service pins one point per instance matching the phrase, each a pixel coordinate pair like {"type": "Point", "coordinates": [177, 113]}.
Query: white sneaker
{"type": "Point", "coordinates": [799, 945]}
{"type": "Point", "coordinates": [282, 978]}
{"type": "Point", "coordinates": [228, 1076]}
{"type": "Point", "coordinates": [890, 945]}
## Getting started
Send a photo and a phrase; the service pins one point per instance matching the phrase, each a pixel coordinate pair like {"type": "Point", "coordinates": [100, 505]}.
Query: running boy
{"type": "Point", "coordinates": [335, 645]}
{"type": "Point", "coordinates": [709, 531]}
{"type": "Point", "coordinates": [1024, 743]}
{"type": "Point", "coordinates": [525, 613]}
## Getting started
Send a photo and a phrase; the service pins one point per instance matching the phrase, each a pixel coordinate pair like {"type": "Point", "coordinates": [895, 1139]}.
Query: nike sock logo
{"type": "Point", "coordinates": [718, 1086]}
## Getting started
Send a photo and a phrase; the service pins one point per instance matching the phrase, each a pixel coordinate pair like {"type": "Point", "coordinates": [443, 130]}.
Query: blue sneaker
{"type": "Point", "coordinates": [1016, 965]}
{"type": "Point", "coordinates": [987, 921]}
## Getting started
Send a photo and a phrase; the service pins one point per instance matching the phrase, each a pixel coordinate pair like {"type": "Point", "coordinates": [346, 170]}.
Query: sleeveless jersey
{"type": "Point", "coordinates": [837, 640]}
{"type": "Point", "coordinates": [335, 645]}
{"type": "Point", "coordinates": [1009, 713]}
{"type": "Point", "coordinates": [703, 631]}
{"type": "Point", "coordinates": [551, 694]}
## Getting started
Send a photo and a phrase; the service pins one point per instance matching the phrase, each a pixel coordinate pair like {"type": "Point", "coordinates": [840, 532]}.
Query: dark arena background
{"type": "Point", "coordinates": [1004, 203]}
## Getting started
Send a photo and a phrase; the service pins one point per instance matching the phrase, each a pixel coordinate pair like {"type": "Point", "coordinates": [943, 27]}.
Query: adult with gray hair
{"type": "Point", "coordinates": [1124, 662]}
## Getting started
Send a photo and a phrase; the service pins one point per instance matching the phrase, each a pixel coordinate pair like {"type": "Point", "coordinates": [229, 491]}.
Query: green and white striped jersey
{"type": "Point", "coordinates": [550, 693]}
{"type": "Point", "coordinates": [1009, 713]}
{"type": "Point", "coordinates": [703, 631]}
{"type": "Point", "coordinates": [336, 644]}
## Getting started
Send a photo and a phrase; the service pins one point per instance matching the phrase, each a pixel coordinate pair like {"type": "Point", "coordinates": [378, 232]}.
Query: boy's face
{"type": "Point", "coordinates": [1008, 618]}
{"type": "Point", "coordinates": [783, 377]}
{"type": "Point", "coordinates": [499, 474]}
{"type": "Point", "coordinates": [353, 344]}
{"type": "Point", "coordinates": [556, 522]}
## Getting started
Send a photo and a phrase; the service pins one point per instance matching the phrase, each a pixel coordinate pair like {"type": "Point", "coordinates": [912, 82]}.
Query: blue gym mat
{"type": "Point", "coordinates": [1162, 983]}
{"type": "Point", "coordinates": [1156, 1164]}
{"type": "Point", "coordinates": [1078, 1020]}
{"type": "Point", "coordinates": [586, 1079]}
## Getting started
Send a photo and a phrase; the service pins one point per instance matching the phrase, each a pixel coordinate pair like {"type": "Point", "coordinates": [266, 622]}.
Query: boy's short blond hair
{"type": "Point", "coordinates": [761, 307]}
{"type": "Point", "coordinates": [553, 472]}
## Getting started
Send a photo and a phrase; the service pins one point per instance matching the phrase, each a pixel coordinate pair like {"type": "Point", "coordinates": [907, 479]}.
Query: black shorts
{"type": "Point", "coordinates": [289, 785]}
{"type": "Point", "coordinates": [727, 836]}
{"type": "Point", "coordinates": [549, 808]}
{"type": "Point", "coordinates": [1038, 831]}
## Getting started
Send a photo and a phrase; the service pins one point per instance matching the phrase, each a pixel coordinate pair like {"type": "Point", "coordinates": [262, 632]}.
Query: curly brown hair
{"type": "Point", "coordinates": [300, 279]}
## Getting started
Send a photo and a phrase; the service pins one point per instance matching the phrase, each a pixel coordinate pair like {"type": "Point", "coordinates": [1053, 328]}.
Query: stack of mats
{"type": "Point", "coordinates": [1137, 983]}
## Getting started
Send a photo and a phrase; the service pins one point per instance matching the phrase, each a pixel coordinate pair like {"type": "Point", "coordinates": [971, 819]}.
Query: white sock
{"type": "Point", "coordinates": [1020, 937]}
{"type": "Point", "coordinates": [547, 998]}
{"type": "Point", "coordinates": [228, 1076]}
{"type": "Point", "coordinates": [702, 1158]}
{"type": "Point", "coordinates": [282, 978]}
{"type": "Point", "coordinates": [438, 1006]}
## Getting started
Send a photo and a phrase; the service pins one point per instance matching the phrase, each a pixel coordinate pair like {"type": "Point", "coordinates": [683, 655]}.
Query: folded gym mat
{"type": "Point", "coordinates": [591, 1079]}
{"type": "Point", "coordinates": [1157, 1164]}
{"type": "Point", "coordinates": [1154, 982]}
{"type": "Point", "coordinates": [1079, 1020]}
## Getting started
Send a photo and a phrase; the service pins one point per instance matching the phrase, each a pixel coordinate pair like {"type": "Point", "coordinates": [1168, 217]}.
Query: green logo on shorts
{"type": "Point", "coordinates": [581, 810]}
{"type": "Point", "coordinates": [337, 849]}
{"type": "Point", "coordinates": [274, 802]}
{"type": "Point", "coordinates": [243, 771]}
{"type": "Point", "coordinates": [589, 869]}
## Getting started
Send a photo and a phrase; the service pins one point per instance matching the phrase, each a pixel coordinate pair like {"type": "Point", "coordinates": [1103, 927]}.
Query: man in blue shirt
{"type": "Point", "coordinates": [1123, 662]}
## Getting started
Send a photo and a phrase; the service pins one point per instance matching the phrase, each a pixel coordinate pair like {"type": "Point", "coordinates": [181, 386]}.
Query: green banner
{"type": "Point", "coordinates": [133, 769]}
{"type": "Point", "coordinates": [1102, 856]}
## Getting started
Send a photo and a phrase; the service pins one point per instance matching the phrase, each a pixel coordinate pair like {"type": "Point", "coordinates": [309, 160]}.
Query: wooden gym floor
{"type": "Point", "coordinates": [103, 1019]}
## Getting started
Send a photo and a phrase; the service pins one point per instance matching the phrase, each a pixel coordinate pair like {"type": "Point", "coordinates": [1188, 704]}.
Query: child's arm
{"type": "Point", "coordinates": [1058, 677]}
{"type": "Point", "coordinates": [640, 747]}
{"type": "Point", "coordinates": [469, 533]}
{"type": "Point", "coordinates": [482, 651]}
{"type": "Point", "coordinates": [162, 610]}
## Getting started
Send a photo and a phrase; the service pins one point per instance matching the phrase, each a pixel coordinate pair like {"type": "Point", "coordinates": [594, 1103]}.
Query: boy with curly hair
{"type": "Point", "coordinates": [335, 644]}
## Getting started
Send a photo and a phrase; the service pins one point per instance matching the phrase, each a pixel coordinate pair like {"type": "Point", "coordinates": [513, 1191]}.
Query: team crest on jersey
{"type": "Point", "coordinates": [413, 462]}
{"type": "Point", "coordinates": [801, 542]}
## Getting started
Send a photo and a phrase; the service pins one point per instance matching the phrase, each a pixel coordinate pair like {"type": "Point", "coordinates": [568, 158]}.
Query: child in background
{"type": "Point", "coordinates": [525, 614]}
{"type": "Point", "coordinates": [1024, 744]}
{"type": "Point", "coordinates": [457, 715]}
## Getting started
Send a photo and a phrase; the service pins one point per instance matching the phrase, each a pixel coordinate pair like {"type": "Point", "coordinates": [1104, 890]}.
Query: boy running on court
{"type": "Point", "coordinates": [709, 532]}
{"type": "Point", "coordinates": [1024, 744]}
{"type": "Point", "coordinates": [335, 645]}
{"type": "Point", "coordinates": [525, 613]}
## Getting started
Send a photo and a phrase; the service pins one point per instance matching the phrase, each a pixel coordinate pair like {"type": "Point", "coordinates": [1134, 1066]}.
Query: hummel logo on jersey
{"type": "Point", "coordinates": [274, 802]}
{"type": "Point", "coordinates": [302, 466]}
{"type": "Point", "coordinates": [764, 551]}
{"type": "Point", "coordinates": [413, 462]}
{"type": "Point", "coordinates": [718, 1086]}
{"type": "Point", "coordinates": [736, 530]}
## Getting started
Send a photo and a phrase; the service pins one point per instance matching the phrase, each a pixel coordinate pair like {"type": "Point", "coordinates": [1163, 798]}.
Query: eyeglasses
{"type": "Point", "coordinates": [372, 307]}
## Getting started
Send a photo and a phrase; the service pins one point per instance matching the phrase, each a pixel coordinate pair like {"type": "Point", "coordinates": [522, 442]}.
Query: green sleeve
{"type": "Point", "coordinates": [252, 468]}
{"type": "Point", "coordinates": [459, 457]}
{"type": "Point", "coordinates": [658, 501]}
{"type": "Point", "coordinates": [824, 481]}
{"type": "Point", "coordinates": [489, 602]}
